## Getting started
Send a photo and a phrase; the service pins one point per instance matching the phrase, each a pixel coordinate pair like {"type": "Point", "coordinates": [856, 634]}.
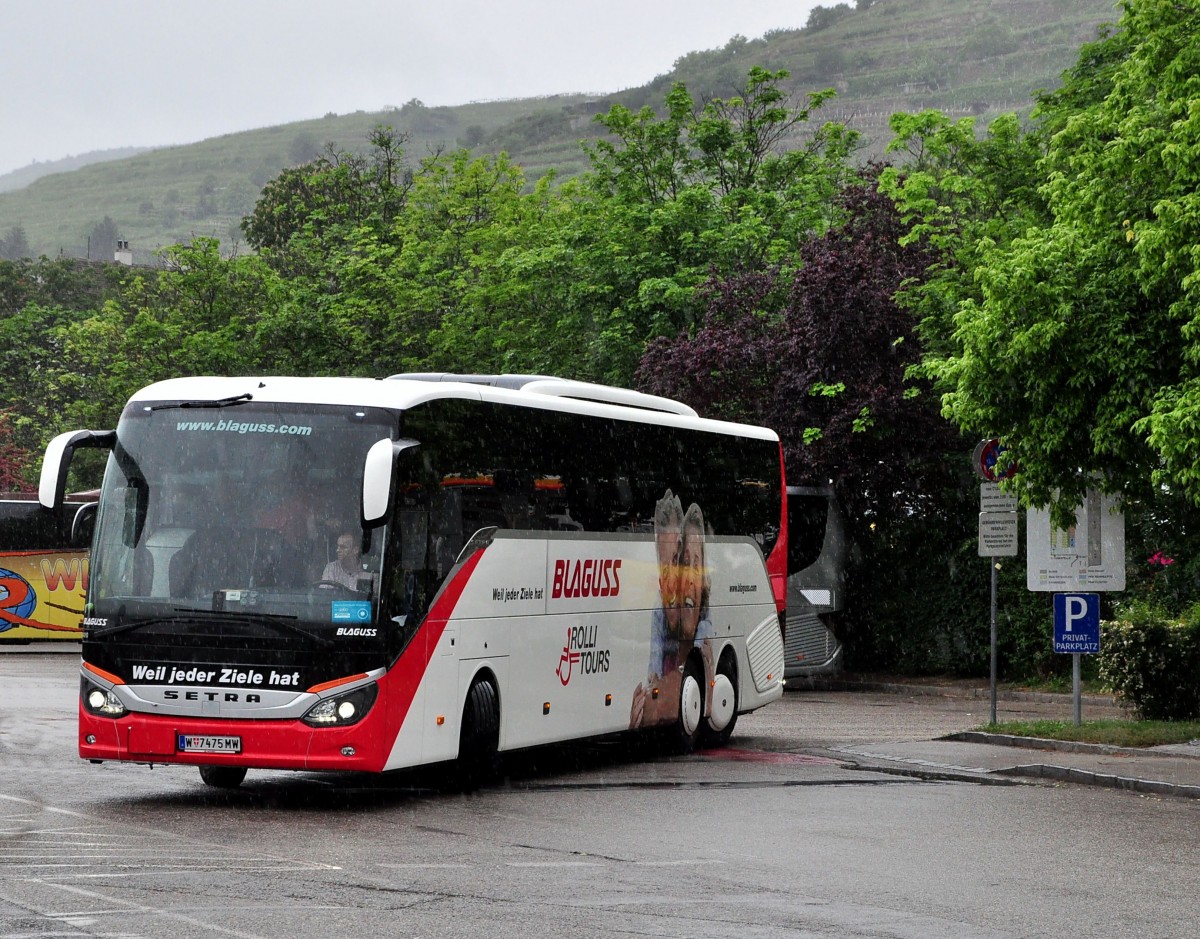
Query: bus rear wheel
{"type": "Point", "coordinates": [723, 712]}
{"type": "Point", "coordinates": [223, 777]}
{"type": "Point", "coordinates": [479, 737]}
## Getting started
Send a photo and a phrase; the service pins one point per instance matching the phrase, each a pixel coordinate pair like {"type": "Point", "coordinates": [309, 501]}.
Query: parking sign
{"type": "Point", "coordinates": [1077, 622]}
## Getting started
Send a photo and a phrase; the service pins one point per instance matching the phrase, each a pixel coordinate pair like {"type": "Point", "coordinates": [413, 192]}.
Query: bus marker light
{"type": "Point", "coordinates": [326, 685]}
{"type": "Point", "coordinates": [654, 693]}
{"type": "Point", "coordinates": [608, 700]}
{"type": "Point", "coordinates": [107, 676]}
{"type": "Point", "coordinates": [545, 707]}
{"type": "Point", "coordinates": [441, 719]}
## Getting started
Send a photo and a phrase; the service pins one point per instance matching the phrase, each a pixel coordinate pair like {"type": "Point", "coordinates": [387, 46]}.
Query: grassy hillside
{"type": "Point", "coordinates": [978, 57]}
{"type": "Point", "coordinates": [19, 179]}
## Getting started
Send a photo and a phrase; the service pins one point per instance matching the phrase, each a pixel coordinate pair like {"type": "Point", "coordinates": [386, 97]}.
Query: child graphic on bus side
{"type": "Point", "coordinates": [695, 624]}
{"type": "Point", "coordinates": [682, 618]}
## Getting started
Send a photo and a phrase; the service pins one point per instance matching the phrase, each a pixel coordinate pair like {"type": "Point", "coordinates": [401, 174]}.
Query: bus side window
{"type": "Point", "coordinates": [447, 533]}
{"type": "Point", "coordinates": [514, 492]}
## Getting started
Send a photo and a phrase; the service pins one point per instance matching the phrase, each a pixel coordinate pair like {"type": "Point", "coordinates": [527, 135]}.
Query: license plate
{"type": "Point", "coordinates": [198, 743]}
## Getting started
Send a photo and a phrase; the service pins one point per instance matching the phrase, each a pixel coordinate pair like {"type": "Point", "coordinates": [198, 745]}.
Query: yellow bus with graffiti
{"type": "Point", "coordinates": [43, 569]}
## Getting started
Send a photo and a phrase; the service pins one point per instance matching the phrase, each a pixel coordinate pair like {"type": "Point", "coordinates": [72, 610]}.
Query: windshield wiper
{"type": "Point", "coordinates": [216, 403]}
{"type": "Point", "coordinates": [127, 625]}
{"type": "Point", "coordinates": [278, 620]}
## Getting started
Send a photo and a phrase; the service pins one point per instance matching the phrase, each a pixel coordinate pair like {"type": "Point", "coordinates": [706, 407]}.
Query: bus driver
{"type": "Point", "coordinates": [346, 567]}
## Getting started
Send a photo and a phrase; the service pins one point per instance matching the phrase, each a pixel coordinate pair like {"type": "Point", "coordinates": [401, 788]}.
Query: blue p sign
{"type": "Point", "coordinates": [1077, 622]}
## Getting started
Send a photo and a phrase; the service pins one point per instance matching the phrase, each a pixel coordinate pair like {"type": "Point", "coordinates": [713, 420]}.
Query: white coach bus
{"type": "Point", "coordinates": [366, 575]}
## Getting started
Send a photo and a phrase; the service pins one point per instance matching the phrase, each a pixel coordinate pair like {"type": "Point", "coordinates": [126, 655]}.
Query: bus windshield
{"type": "Point", "coordinates": [238, 514]}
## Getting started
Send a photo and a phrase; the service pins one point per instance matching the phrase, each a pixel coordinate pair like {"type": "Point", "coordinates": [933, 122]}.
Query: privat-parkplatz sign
{"type": "Point", "coordinates": [1077, 623]}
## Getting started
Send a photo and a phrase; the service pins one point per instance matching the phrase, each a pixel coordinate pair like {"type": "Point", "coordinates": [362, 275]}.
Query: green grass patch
{"type": "Point", "coordinates": [1115, 733]}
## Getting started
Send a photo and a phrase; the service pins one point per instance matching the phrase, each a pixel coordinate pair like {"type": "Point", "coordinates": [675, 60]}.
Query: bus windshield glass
{"type": "Point", "coordinates": [242, 515]}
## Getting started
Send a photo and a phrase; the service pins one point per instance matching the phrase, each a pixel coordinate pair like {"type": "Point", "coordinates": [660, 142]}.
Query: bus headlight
{"type": "Point", "coordinates": [342, 710]}
{"type": "Point", "coordinates": [100, 701]}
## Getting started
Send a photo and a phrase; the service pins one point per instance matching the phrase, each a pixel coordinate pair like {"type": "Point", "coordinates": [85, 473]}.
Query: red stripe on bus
{"type": "Point", "coordinates": [400, 683]}
{"type": "Point", "coordinates": [778, 560]}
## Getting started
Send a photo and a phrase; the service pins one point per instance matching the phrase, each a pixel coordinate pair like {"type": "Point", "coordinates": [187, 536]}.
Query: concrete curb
{"type": "Point", "coordinates": [1088, 778]}
{"type": "Point", "coordinates": [1067, 746]}
{"type": "Point", "coordinates": [1151, 762]}
{"type": "Point", "coordinates": [937, 771]}
{"type": "Point", "coordinates": [819, 683]}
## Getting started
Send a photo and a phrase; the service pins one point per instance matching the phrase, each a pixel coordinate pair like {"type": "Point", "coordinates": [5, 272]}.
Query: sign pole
{"type": "Point", "coordinates": [997, 528]}
{"type": "Point", "coordinates": [1077, 683]}
{"type": "Point", "coordinates": [995, 568]}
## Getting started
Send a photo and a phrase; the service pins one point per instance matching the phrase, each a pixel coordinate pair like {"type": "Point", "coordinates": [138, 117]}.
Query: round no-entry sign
{"type": "Point", "coordinates": [990, 463]}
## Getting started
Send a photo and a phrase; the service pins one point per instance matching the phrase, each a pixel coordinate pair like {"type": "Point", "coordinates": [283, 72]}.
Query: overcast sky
{"type": "Point", "coordinates": [83, 75]}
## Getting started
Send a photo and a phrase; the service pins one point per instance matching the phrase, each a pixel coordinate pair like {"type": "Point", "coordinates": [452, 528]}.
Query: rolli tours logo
{"type": "Point", "coordinates": [581, 654]}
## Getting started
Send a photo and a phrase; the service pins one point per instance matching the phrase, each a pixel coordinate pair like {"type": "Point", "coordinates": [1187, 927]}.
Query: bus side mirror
{"type": "Point", "coordinates": [377, 479]}
{"type": "Point", "coordinates": [53, 482]}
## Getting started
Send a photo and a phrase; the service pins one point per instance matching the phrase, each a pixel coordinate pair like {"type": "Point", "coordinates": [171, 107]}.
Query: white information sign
{"type": "Point", "coordinates": [1086, 557]}
{"type": "Point", "coordinates": [993, 499]}
{"type": "Point", "coordinates": [997, 522]}
{"type": "Point", "coordinates": [997, 534]}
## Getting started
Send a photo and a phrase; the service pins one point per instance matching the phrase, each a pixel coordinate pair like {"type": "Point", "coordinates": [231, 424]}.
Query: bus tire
{"type": "Point", "coordinates": [723, 712]}
{"type": "Point", "coordinates": [690, 720]}
{"type": "Point", "coordinates": [223, 777]}
{"type": "Point", "coordinates": [479, 737]}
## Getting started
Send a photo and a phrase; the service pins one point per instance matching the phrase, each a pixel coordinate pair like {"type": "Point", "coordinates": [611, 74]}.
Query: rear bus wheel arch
{"type": "Point", "coordinates": [723, 704]}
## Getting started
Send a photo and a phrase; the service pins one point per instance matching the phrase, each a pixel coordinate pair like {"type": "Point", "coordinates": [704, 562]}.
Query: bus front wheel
{"type": "Point", "coordinates": [223, 777]}
{"type": "Point", "coordinates": [479, 737]}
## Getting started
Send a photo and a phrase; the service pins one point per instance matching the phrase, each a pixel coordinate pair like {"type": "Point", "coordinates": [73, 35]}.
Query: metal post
{"type": "Point", "coordinates": [1075, 682]}
{"type": "Point", "coordinates": [995, 568]}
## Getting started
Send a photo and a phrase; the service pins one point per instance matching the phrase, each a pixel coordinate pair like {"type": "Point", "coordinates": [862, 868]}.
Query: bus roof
{"type": "Point", "coordinates": [402, 392]}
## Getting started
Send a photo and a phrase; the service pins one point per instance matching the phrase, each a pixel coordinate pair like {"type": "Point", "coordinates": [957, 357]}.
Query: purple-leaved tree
{"type": "Point", "coordinates": [820, 353]}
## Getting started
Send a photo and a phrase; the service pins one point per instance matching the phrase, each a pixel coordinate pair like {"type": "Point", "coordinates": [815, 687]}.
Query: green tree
{"type": "Point", "coordinates": [15, 245]}
{"type": "Point", "coordinates": [102, 241]}
{"type": "Point", "coordinates": [60, 281]}
{"type": "Point", "coordinates": [823, 17]}
{"type": "Point", "coordinates": [959, 193]}
{"type": "Point", "coordinates": [1076, 343]}
{"type": "Point", "coordinates": [307, 209]}
{"type": "Point", "coordinates": [457, 264]}
{"type": "Point", "coordinates": [198, 316]}
{"type": "Point", "coordinates": [447, 280]}
{"type": "Point", "coordinates": [738, 182]}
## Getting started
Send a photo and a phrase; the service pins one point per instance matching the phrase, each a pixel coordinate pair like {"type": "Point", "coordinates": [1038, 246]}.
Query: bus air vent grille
{"type": "Point", "coordinates": [764, 649]}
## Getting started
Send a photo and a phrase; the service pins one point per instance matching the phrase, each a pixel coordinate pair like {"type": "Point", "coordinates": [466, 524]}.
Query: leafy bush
{"type": "Point", "coordinates": [920, 599]}
{"type": "Point", "coordinates": [924, 609]}
{"type": "Point", "coordinates": [1152, 660]}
